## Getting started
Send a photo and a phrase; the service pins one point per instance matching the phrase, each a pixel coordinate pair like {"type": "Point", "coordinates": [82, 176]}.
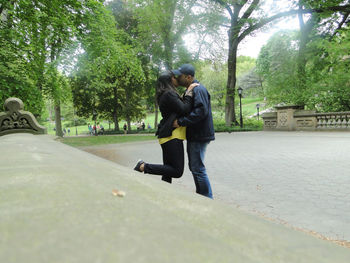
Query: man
{"type": "Point", "coordinates": [200, 128]}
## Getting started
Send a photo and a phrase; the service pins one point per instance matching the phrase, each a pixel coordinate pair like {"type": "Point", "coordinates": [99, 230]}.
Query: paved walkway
{"type": "Point", "coordinates": [301, 179]}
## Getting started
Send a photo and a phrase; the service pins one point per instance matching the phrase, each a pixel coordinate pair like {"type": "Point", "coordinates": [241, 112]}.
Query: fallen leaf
{"type": "Point", "coordinates": [119, 193]}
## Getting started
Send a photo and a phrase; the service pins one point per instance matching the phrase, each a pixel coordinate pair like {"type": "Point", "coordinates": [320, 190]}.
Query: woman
{"type": "Point", "coordinates": [171, 106]}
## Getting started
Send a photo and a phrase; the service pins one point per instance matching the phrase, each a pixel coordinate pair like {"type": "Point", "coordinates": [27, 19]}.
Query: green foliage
{"type": "Point", "coordinates": [326, 86]}
{"type": "Point", "coordinates": [15, 80]}
{"type": "Point", "coordinates": [249, 125]}
{"type": "Point", "coordinates": [244, 65]}
{"type": "Point", "coordinates": [277, 64]}
{"type": "Point", "coordinates": [37, 38]}
{"type": "Point", "coordinates": [109, 77]}
{"type": "Point", "coordinates": [161, 27]}
{"type": "Point", "coordinates": [330, 89]}
{"type": "Point", "coordinates": [213, 75]}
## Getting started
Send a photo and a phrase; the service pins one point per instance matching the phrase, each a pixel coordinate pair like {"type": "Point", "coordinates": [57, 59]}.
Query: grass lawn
{"type": "Point", "coordinates": [83, 129]}
{"type": "Point", "coordinates": [249, 106]}
{"type": "Point", "coordinates": [105, 139]}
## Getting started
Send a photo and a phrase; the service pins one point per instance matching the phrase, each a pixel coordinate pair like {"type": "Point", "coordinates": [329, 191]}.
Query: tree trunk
{"type": "Point", "coordinates": [115, 110]}
{"type": "Point", "coordinates": [128, 122]}
{"type": "Point", "coordinates": [127, 105]}
{"type": "Point", "coordinates": [305, 30]}
{"type": "Point", "coordinates": [58, 123]}
{"type": "Point", "coordinates": [301, 60]}
{"type": "Point", "coordinates": [168, 52]}
{"type": "Point", "coordinates": [116, 122]}
{"type": "Point", "coordinates": [156, 116]}
{"type": "Point", "coordinates": [230, 113]}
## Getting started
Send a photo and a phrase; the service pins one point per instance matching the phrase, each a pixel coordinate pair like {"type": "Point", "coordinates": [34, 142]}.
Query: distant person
{"type": "Point", "coordinates": [125, 127]}
{"type": "Point", "coordinates": [102, 130]}
{"type": "Point", "coordinates": [64, 131]}
{"type": "Point", "coordinates": [68, 131]}
{"type": "Point", "coordinates": [149, 126]}
{"type": "Point", "coordinates": [143, 126]}
{"type": "Point", "coordinates": [90, 129]}
{"type": "Point", "coordinates": [200, 128]}
{"type": "Point", "coordinates": [171, 106]}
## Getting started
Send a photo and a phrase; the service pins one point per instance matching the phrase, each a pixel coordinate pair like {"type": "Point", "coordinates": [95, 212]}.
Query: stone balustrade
{"type": "Point", "coordinates": [16, 120]}
{"type": "Point", "coordinates": [333, 120]}
{"type": "Point", "coordinates": [294, 118]}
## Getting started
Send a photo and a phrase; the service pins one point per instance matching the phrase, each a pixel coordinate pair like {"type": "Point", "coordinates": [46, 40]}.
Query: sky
{"type": "Point", "coordinates": [251, 45]}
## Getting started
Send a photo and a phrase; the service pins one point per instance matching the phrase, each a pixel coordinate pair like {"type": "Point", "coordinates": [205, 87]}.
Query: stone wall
{"type": "Point", "coordinates": [295, 118]}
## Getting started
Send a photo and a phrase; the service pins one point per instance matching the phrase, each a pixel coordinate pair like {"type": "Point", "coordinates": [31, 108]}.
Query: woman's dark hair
{"type": "Point", "coordinates": [164, 83]}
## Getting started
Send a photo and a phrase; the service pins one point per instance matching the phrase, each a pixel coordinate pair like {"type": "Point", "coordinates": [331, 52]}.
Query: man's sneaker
{"type": "Point", "coordinates": [138, 165]}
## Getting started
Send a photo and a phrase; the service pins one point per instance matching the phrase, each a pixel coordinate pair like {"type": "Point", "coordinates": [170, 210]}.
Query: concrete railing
{"type": "Point", "coordinates": [60, 204]}
{"type": "Point", "coordinates": [16, 120]}
{"type": "Point", "coordinates": [333, 120]}
{"type": "Point", "coordinates": [295, 118]}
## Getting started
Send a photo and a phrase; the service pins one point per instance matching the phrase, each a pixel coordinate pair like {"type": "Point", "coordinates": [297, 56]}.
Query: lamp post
{"type": "Point", "coordinates": [257, 107]}
{"type": "Point", "coordinates": [94, 113]}
{"type": "Point", "coordinates": [240, 90]}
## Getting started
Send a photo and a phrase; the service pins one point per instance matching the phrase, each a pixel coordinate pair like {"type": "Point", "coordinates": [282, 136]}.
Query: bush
{"type": "Point", "coordinates": [219, 126]}
{"type": "Point", "coordinates": [248, 125]}
{"type": "Point", "coordinates": [254, 123]}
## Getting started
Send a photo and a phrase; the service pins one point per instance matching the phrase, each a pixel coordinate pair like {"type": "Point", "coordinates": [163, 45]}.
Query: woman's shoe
{"type": "Point", "coordinates": [138, 165]}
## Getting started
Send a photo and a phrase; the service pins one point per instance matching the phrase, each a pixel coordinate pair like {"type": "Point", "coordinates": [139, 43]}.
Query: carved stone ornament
{"type": "Point", "coordinates": [15, 120]}
{"type": "Point", "coordinates": [283, 118]}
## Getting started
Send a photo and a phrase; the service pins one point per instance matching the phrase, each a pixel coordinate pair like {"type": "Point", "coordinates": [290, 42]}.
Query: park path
{"type": "Point", "coordinates": [301, 179]}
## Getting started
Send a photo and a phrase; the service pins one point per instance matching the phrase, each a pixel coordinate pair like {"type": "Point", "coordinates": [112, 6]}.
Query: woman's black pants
{"type": "Point", "coordinates": [173, 161]}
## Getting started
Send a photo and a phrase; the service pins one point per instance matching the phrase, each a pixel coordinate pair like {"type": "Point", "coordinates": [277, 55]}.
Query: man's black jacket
{"type": "Point", "coordinates": [199, 121]}
{"type": "Point", "coordinates": [172, 107]}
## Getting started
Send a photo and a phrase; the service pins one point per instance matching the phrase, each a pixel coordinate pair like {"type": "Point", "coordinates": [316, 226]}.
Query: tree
{"type": "Point", "coordinates": [42, 32]}
{"type": "Point", "coordinates": [16, 79]}
{"type": "Point", "coordinates": [294, 53]}
{"type": "Point", "coordinates": [162, 25]}
{"type": "Point", "coordinates": [108, 78]}
{"type": "Point", "coordinates": [277, 65]}
{"type": "Point", "coordinates": [126, 18]}
{"type": "Point", "coordinates": [156, 29]}
{"type": "Point", "coordinates": [244, 20]}
{"type": "Point", "coordinates": [317, 25]}
{"type": "Point", "coordinates": [213, 75]}
{"type": "Point", "coordinates": [330, 89]}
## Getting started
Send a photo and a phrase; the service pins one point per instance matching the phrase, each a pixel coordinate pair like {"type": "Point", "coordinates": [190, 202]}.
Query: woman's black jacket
{"type": "Point", "coordinates": [171, 107]}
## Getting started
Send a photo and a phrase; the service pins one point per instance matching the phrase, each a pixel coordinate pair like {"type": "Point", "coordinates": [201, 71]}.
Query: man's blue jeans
{"type": "Point", "coordinates": [196, 154]}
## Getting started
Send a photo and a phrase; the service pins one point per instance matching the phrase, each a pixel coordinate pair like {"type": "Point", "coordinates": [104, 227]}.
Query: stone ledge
{"type": "Point", "coordinates": [56, 205]}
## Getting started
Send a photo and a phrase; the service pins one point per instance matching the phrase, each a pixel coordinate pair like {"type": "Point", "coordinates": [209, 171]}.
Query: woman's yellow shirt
{"type": "Point", "coordinates": [178, 133]}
